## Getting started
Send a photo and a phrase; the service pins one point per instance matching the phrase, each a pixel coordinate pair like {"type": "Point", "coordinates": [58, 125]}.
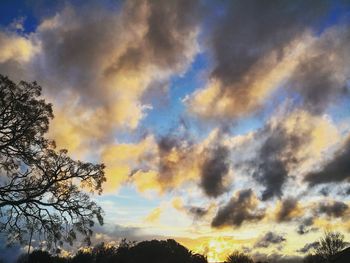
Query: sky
{"type": "Point", "coordinates": [222, 124]}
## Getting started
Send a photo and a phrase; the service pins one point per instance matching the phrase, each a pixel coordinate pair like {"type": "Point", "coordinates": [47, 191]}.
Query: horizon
{"type": "Point", "coordinates": [224, 125]}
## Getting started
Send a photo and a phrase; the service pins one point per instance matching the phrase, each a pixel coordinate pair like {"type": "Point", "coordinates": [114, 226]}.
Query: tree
{"type": "Point", "coordinates": [329, 245]}
{"type": "Point", "coordinates": [42, 191]}
{"type": "Point", "coordinates": [237, 257]}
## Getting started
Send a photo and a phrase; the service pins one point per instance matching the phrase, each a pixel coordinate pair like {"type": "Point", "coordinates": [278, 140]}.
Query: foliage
{"type": "Point", "coordinates": [238, 257]}
{"type": "Point", "coordinates": [40, 187]}
{"type": "Point", "coordinates": [154, 251]}
{"type": "Point", "coordinates": [329, 245]}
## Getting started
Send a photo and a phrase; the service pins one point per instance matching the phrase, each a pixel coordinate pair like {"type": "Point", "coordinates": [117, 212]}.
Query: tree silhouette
{"type": "Point", "coordinates": [155, 251]}
{"type": "Point", "coordinates": [329, 245]}
{"type": "Point", "coordinates": [238, 257]}
{"type": "Point", "coordinates": [39, 186]}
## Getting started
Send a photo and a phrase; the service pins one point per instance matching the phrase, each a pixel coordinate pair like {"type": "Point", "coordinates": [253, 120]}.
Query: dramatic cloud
{"type": "Point", "coordinates": [290, 144]}
{"type": "Point", "coordinates": [276, 156]}
{"type": "Point", "coordinates": [225, 113]}
{"type": "Point", "coordinates": [243, 207]}
{"type": "Point", "coordinates": [323, 72]}
{"type": "Point", "coordinates": [333, 209]}
{"type": "Point", "coordinates": [214, 170]}
{"type": "Point", "coordinates": [254, 60]}
{"type": "Point", "coordinates": [288, 209]}
{"type": "Point", "coordinates": [102, 62]}
{"type": "Point", "coordinates": [270, 238]}
{"type": "Point", "coordinates": [336, 170]}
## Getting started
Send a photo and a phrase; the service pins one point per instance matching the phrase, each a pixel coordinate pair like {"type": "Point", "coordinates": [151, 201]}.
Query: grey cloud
{"type": "Point", "coordinates": [322, 75]}
{"type": "Point", "coordinates": [277, 258]}
{"type": "Point", "coordinates": [197, 212]}
{"type": "Point", "coordinates": [239, 209]}
{"type": "Point", "coordinates": [238, 42]}
{"type": "Point", "coordinates": [168, 167]}
{"type": "Point", "coordinates": [275, 158]}
{"type": "Point", "coordinates": [336, 170]}
{"type": "Point", "coordinates": [81, 50]}
{"type": "Point", "coordinates": [308, 247]}
{"type": "Point", "coordinates": [287, 207]}
{"type": "Point", "coordinates": [214, 170]}
{"type": "Point", "coordinates": [270, 238]}
{"type": "Point", "coordinates": [333, 209]}
{"type": "Point", "coordinates": [306, 226]}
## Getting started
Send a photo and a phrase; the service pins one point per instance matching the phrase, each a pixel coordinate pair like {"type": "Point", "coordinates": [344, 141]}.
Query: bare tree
{"type": "Point", "coordinates": [41, 190]}
{"type": "Point", "coordinates": [329, 245]}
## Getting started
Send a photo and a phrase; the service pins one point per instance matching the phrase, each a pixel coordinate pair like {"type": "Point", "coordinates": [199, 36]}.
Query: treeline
{"type": "Point", "coordinates": [155, 251]}
{"type": "Point", "coordinates": [329, 249]}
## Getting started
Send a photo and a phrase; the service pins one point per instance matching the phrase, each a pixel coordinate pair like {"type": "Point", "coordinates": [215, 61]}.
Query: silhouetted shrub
{"type": "Point", "coordinates": [238, 257]}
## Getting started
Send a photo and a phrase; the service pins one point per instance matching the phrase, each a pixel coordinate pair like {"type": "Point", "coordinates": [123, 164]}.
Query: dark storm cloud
{"type": "Point", "coordinates": [274, 158]}
{"type": "Point", "coordinates": [336, 170]}
{"type": "Point", "coordinates": [214, 170]}
{"type": "Point", "coordinates": [308, 247]}
{"type": "Point", "coordinates": [270, 238]}
{"type": "Point", "coordinates": [288, 206]}
{"type": "Point", "coordinates": [333, 209]}
{"type": "Point", "coordinates": [239, 42]}
{"type": "Point", "coordinates": [241, 208]}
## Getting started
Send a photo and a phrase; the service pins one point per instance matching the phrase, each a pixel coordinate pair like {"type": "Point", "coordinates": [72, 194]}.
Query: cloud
{"type": "Point", "coordinates": [251, 61]}
{"type": "Point", "coordinates": [242, 207]}
{"type": "Point", "coordinates": [337, 169]}
{"type": "Point", "coordinates": [177, 159]}
{"type": "Point", "coordinates": [276, 257]}
{"type": "Point", "coordinates": [286, 148]}
{"type": "Point", "coordinates": [16, 48]}
{"type": "Point", "coordinates": [214, 169]}
{"type": "Point", "coordinates": [198, 212]}
{"type": "Point", "coordinates": [288, 210]}
{"type": "Point", "coordinates": [121, 160]}
{"type": "Point", "coordinates": [308, 246]}
{"type": "Point", "coordinates": [270, 238]}
{"type": "Point", "coordinates": [333, 209]}
{"type": "Point", "coordinates": [154, 215]}
{"type": "Point", "coordinates": [273, 158]}
{"type": "Point", "coordinates": [96, 64]}
{"type": "Point", "coordinates": [323, 72]}
{"type": "Point", "coordinates": [277, 155]}
{"type": "Point", "coordinates": [306, 226]}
